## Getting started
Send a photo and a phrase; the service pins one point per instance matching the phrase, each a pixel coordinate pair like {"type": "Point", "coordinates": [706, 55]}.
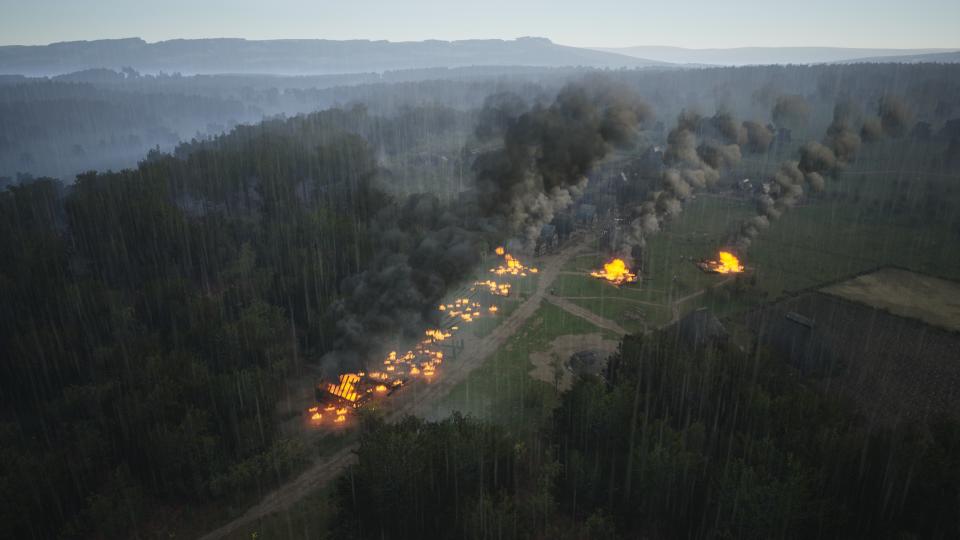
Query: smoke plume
{"type": "Point", "coordinates": [821, 160]}
{"type": "Point", "coordinates": [894, 117]}
{"type": "Point", "coordinates": [425, 248]}
{"type": "Point", "coordinates": [790, 111]}
{"type": "Point", "coordinates": [690, 166]}
{"type": "Point", "coordinates": [758, 137]}
{"type": "Point", "coordinates": [548, 151]}
{"type": "Point", "coordinates": [871, 130]}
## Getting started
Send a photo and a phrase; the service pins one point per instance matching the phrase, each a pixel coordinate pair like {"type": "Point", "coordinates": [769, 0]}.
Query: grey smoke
{"type": "Point", "coordinates": [690, 167]}
{"type": "Point", "coordinates": [816, 158]}
{"type": "Point", "coordinates": [892, 120]}
{"type": "Point", "coordinates": [871, 131]}
{"type": "Point", "coordinates": [790, 111]}
{"type": "Point", "coordinates": [840, 137]}
{"type": "Point", "coordinates": [894, 116]}
{"type": "Point", "coordinates": [548, 152]}
{"type": "Point", "coordinates": [758, 137]}
{"type": "Point", "coordinates": [425, 248]}
{"type": "Point", "coordinates": [819, 160]}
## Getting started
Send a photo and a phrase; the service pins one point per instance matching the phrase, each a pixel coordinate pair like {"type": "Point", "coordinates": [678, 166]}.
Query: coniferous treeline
{"type": "Point", "coordinates": [676, 443]}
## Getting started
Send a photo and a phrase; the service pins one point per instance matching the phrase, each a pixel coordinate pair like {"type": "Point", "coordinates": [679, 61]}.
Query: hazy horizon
{"type": "Point", "coordinates": [612, 48]}
{"type": "Point", "coordinates": [609, 23]}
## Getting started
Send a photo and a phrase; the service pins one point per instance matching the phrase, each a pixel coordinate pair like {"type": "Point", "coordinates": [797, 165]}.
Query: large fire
{"type": "Point", "coordinates": [511, 265]}
{"type": "Point", "coordinates": [725, 263]}
{"type": "Point", "coordinates": [353, 390]}
{"type": "Point", "coordinates": [616, 272]}
{"type": "Point", "coordinates": [346, 389]}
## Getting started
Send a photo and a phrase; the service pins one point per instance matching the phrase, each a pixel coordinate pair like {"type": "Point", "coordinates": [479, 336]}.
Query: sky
{"type": "Point", "coordinates": [590, 23]}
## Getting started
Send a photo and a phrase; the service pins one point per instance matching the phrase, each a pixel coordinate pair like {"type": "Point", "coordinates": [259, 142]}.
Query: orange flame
{"type": "Point", "coordinates": [616, 272]}
{"type": "Point", "coordinates": [727, 263]}
{"type": "Point", "coordinates": [512, 266]}
{"type": "Point", "coordinates": [437, 335]}
{"type": "Point", "coordinates": [347, 388]}
{"type": "Point", "coordinates": [424, 359]}
{"type": "Point", "coordinates": [499, 289]}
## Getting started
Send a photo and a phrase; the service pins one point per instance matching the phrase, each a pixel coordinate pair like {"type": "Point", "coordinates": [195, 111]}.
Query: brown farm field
{"type": "Point", "coordinates": [933, 300]}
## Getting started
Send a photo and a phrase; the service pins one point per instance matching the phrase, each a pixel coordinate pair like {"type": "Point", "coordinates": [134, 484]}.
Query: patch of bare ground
{"type": "Point", "coordinates": [553, 365]}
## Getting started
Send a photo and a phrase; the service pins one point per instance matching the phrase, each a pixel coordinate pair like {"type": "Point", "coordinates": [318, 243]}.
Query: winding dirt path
{"type": "Point", "coordinates": [675, 305]}
{"type": "Point", "coordinates": [418, 399]}
{"type": "Point", "coordinates": [584, 313]}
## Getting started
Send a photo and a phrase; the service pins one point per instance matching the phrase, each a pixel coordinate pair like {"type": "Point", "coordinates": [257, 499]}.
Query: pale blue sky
{"type": "Point", "coordinates": [602, 23]}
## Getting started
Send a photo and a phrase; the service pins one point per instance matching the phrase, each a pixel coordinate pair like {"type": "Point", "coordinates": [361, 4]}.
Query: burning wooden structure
{"type": "Point", "coordinates": [615, 272]}
{"type": "Point", "coordinates": [725, 263]}
{"type": "Point", "coordinates": [349, 391]}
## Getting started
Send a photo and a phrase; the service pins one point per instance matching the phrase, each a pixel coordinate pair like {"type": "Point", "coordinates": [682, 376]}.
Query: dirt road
{"type": "Point", "coordinates": [417, 399]}
{"type": "Point", "coordinates": [583, 313]}
{"type": "Point", "coordinates": [675, 305]}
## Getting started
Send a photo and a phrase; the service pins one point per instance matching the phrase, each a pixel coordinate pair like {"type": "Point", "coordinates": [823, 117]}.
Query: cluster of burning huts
{"type": "Point", "coordinates": [337, 397]}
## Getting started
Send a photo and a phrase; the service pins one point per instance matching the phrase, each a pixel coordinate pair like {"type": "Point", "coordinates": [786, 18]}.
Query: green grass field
{"type": "Point", "coordinates": [630, 315]}
{"type": "Point", "coordinates": [848, 229]}
{"type": "Point", "coordinates": [502, 389]}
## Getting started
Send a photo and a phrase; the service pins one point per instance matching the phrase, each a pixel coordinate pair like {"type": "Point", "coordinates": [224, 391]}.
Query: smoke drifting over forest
{"type": "Point", "coordinates": [820, 160]}
{"type": "Point", "coordinates": [539, 170]}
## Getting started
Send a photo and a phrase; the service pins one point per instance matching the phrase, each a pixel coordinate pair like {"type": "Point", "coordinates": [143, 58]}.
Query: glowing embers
{"type": "Point", "coordinates": [434, 335]}
{"type": "Point", "coordinates": [498, 289]}
{"type": "Point", "coordinates": [330, 412]}
{"type": "Point", "coordinates": [616, 272]}
{"type": "Point", "coordinates": [511, 266]}
{"type": "Point", "coordinates": [355, 390]}
{"type": "Point", "coordinates": [460, 310]}
{"type": "Point", "coordinates": [725, 263]}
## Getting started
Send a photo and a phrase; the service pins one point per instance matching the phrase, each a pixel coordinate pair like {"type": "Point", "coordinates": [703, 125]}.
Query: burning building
{"type": "Point", "coordinates": [616, 272]}
{"type": "Point", "coordinates": [352, 390]}
{"type": "Point", "coordinates": [725, 263]}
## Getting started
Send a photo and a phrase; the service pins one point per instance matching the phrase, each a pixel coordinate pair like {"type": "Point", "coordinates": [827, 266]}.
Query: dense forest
{"type": "Point", "coordinates": [154, 313]}
{"type": "Point", "coordinates": [674, 442]}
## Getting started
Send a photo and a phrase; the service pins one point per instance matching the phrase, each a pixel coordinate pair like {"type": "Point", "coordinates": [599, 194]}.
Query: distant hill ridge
{"type": "Point", "coordinates": [297, 56]}
{"type": "Point", "coordinates": [738, 56]}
